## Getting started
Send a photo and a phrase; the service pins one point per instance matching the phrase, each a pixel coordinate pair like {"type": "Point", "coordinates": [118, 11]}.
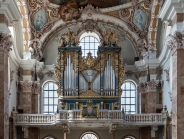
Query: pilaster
{"type": "Point", "coordinates": [5, 47]}
{"type": "Point", "coordinates": [149, 96]}
{"type": "Point", "coordinates": [176, 45]}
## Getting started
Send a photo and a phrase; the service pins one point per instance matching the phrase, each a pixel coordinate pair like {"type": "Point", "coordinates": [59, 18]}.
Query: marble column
{"type": "Point", "coordinates": [5, 44]}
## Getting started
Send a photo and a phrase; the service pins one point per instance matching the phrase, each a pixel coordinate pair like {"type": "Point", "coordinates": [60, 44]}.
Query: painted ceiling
{"type": "Point", "coordinates": [95, 3]}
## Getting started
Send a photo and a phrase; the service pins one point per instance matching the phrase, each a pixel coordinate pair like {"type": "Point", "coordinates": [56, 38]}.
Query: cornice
{"type": "Point", "coordinates": [10, 9]}
{"type": "Point", "coordinates": [28, 64]}
{"type": "Point", "coordinates": [4, 28]}
{"type": "Point", "coordinates": [141, 65]}
{"type": "Point", "coordinates": [170, 8]}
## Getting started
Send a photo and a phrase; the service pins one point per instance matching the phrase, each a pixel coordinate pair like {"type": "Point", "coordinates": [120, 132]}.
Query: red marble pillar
{"type": "Point", "coordinates": [27, 88]}
{"type": "Point", "coordinates": [35, 98]}
{"type": "Point", "coordinates": [178, 94]}
{"type": "Point", "coordinates": [176, 44]}
{"type": "Point", "coordinates": [5, 44]}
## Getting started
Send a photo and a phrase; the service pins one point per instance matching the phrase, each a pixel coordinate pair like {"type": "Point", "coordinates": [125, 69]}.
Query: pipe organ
{"type": "Point", "coordinates": [80, 80]}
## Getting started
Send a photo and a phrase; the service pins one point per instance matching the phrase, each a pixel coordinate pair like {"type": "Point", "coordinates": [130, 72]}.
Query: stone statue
{"type": "Point", "coordinates": [35, 48]}
{"type": "Point", "coordinates": [142, 47]}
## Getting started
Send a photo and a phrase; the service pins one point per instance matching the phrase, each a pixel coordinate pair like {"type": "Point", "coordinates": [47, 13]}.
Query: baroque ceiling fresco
{"type": "Point", "coordinates": [95, 3]}
{"type": "Point", "coordinates": [137, 18]}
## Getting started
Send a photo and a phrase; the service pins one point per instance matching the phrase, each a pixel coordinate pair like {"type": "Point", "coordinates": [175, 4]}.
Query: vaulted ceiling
{"type": "Point", "coordinates": [137, 20]}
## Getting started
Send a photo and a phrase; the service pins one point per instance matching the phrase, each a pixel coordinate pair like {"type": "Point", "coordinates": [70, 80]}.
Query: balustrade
{"type": "Point", "coordinates": [23, 119]}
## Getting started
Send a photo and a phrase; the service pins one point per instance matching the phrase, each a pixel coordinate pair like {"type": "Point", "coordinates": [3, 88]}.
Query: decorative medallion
{"type": "Point", "coordinates": [39, 19]}
{"type": "Point", "coordinates": [139, 19]}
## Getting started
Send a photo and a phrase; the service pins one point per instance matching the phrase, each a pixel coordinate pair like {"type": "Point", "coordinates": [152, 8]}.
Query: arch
{"type": "Point", "coordinates": [129, 137]}
{"type": "Point", "coordinates": [129, 97]}
{"type": "Point", "coordinates": [89, 42]}
{"type": "Point", "coordinates": [90, 132]}
{"type": "Point", "coordinates": [102, 18]}
{"type": "Point", "coordinates": [49, 137]}
{"type": "Point", "coordinates": [49, 97]}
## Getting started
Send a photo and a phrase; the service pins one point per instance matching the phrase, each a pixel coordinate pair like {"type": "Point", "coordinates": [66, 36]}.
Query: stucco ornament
{"type": "Point", "coordinates": [89, 10]}
{"type": "Point", "coordinates": [167, 72]}
{"type": "Point", "coordinates": [110, 38]}
{"type": "Point", "coordinates": [35, 48]}
{"type": "Point", "coordinates": [142, 47]}
{"type": "Point", "coordinates": [5, 42]}
{"type": "Point", "coordinates": [151, 86]}
{"type": "Point", "coordinates": [68, 39]}
{"type": "Point", "coordinates": [176, 41]}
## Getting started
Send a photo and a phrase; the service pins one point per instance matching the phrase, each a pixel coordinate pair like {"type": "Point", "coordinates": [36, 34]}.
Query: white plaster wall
{"type": "Point", "coordinates": [12, 86]}
{"type": "Point", "coordinates": [167, 87]}
{"type": "Point", "coordinates": [103, 134]}
{"type": "Point", "coordinates": [51, 50]}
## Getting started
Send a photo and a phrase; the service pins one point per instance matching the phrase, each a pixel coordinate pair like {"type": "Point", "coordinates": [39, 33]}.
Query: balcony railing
{"type": "Point", "coordinates": [74, 115]}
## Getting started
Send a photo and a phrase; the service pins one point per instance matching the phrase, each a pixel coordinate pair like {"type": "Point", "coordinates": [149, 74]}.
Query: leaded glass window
{"type": "Point", "coordinates": [128, 97]}
{"type": "Point", "coordinates": [50, 98]}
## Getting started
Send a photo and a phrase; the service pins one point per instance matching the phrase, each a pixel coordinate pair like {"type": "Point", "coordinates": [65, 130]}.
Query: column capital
{"type": "Point", "coordinates": [151, 86]}
{"type": "Point", "coordinates": [176, 41]}
{"type": "Point", "coordinates": [37, 88]}
{"type": "Point", "coordinates": [27, 86]}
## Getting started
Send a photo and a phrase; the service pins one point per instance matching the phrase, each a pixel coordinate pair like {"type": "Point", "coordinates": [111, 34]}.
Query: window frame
{"type": "Point", "coordinates": [54, 97]}
{"type": "Point", "coordinates": [89, 132]}
{"type": "Point", "coordinates": [135, 98]}
{"type": "Point", "coordinates": [129, 136]}
{"type": "Point", "coordinates": [88, 40]}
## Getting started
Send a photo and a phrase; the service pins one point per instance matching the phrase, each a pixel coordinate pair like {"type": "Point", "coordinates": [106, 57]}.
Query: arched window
{"type": "Point", "coordinates": [49, 137]}
{"type": "Point", "coordinates": [89, 42]}
{"type": "Point", "coordinates": [89, 135]}
{"type": "Point", "coordinates": [128, 137]}
{"type": "Point", "coordinates": [50, 98]}
{"type": "Point", "coordinates": [128, 97]}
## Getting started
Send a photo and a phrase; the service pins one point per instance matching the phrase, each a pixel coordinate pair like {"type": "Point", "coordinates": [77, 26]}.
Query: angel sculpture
{"type": "Point", "coordinates": [142, 47]}
{"type": "Point", "coordinates": [35, 48]}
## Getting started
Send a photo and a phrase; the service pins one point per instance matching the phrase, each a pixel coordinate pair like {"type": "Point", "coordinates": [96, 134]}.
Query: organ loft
{"type": "Point", "coordinates": [84, 76]}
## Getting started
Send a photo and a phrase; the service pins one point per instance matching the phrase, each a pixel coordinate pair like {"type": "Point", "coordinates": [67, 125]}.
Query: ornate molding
{"type": "Point", "coordinates": [5, 43]}
{"type": "Point", "coordinates": [27, 86]}
{"type": "Point", "coordinates": [170, 95]}
{"type": "Point", "coordinates": [176, 41]}
{"type": "Point", "coordinates": [25, 22]}
{"type": "Point", "coordinates": [167, 73]}
{"type": "Point", "coordinates": [90, 10]}
{"type": "Point", "coordinates": [150, 86]}
{"type": "Point", "coordinates": [89, 94]}
{"type": "Point", "coordinates": [127, 16]}
{"type": "Point", "coordinates": [152, 34]}
{"type": "Point", "coordinates": [37, 88]}
{"type": "Point", "coordinates": [35, 48]}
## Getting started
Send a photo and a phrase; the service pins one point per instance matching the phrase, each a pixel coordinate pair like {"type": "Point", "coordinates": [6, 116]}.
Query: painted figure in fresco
{"type": "Point", "coordinates": [69, 11]}
{"type": "Point", "coordinates": [40, 19]}
{"type": "Point", "coordinates": [39, 22]}
{"type": "Point", "coordinates": [139, 19]}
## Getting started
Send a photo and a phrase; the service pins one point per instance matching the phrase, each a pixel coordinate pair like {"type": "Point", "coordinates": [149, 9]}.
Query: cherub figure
{"type": "Point", "coordinates": [35, 48]}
